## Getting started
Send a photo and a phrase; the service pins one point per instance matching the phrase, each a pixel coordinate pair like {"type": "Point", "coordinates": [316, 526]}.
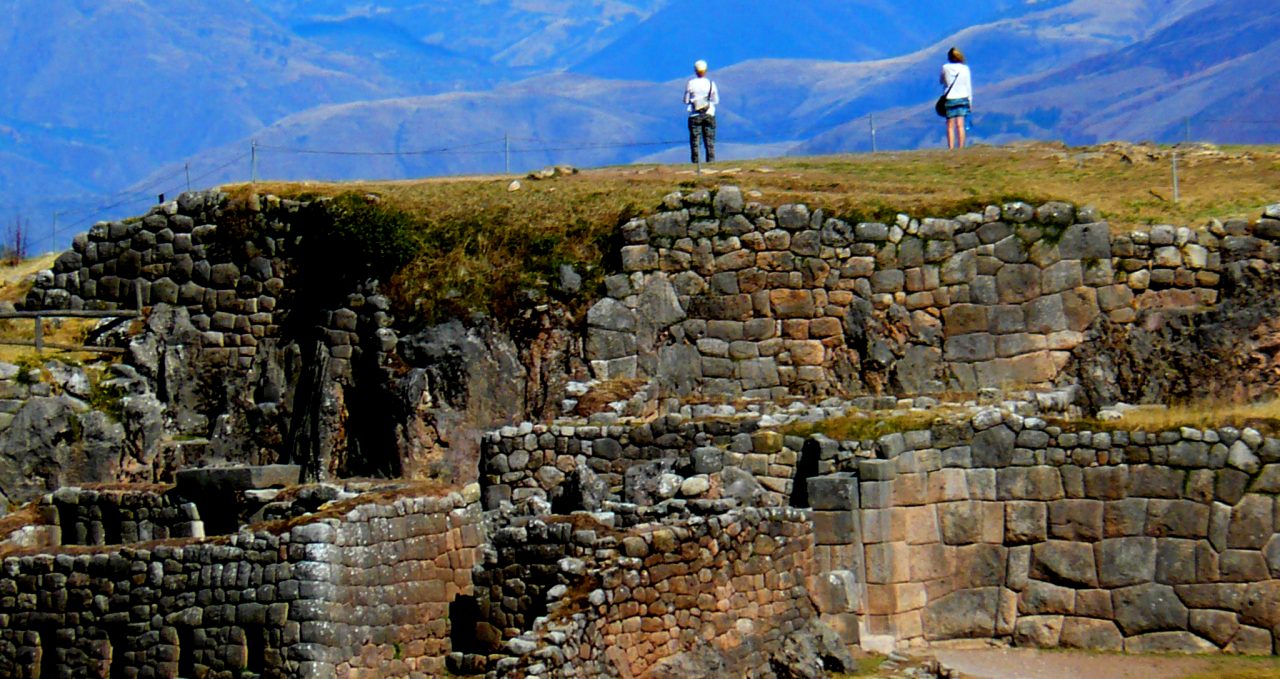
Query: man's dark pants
{"type": "Point", "coordinates": [702, 127]}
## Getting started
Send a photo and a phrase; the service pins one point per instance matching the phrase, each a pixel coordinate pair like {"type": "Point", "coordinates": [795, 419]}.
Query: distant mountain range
{"type": "Point", "coordinates": [114, 101]}
{"type": "Point", "coordinates": [728, 32]}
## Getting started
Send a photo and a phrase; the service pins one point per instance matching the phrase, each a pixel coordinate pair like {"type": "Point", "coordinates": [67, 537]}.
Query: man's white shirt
{"type": "Point", "coordinates": [701, 88]}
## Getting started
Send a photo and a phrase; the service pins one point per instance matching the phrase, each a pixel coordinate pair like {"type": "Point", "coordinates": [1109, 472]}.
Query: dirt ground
{"type": "Point", "coordinates": [1031, 664]}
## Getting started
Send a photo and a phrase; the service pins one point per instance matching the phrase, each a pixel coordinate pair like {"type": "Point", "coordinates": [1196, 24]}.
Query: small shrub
{"type": "Point", "coordinates": [29, 370]}
{"type": "Point", "coordinates": [367, 237]}
{"type": "Point", "coordinates": [108, 398]}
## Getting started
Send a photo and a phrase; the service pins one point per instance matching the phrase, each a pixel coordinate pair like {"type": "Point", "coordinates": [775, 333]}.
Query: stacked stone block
{"type": "Point", "coordinates": [535, 460]}
{"type": "Point", "coordinates": [174, 256]}
{"type": "Point", "coordinates": [1104, 540]}
{"type": "Point", "coordinates": [733, 581]}
{"type": "Point", "coordinates": [721, 296]}
{"type": "Point", "coordinates": [838, 582]}
{"type": "Point", "coordinates": [387, 574]}
{"type": "Point", "coordinates": [724, 297]}
{"type": "Point", "coordinates": [90, 516]}
{"type": "Point", "coordinates": [367, 590]}
{"type": "Point", "coordinates": [1170, 267]}
{"type": "Point", "coordinates": [196, 252]}
{"type": "Point", "coordinates": [529, 558]}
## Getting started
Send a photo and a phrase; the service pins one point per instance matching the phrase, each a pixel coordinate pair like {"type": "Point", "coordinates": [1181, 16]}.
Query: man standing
{"type": "Point", "coordinates": [701, 96]}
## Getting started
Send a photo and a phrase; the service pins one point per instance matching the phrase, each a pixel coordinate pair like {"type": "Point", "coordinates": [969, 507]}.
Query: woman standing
{"type": "Point", "coordinates": [955, 77]}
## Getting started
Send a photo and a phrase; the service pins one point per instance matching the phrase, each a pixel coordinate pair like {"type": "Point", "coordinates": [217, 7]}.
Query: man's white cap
{"type": "Point", "coordinates": [700, 66]}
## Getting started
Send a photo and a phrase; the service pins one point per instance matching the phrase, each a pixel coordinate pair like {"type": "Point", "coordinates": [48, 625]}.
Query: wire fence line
{"type": "Point", "coordinates": [869, 129]}
{"type": "Point", "coordinates": [94, 212]}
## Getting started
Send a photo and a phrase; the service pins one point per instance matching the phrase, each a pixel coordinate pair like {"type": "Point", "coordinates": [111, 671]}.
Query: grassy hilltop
{"type": "Point", "coordinates": [471, 244]}
{"type": "Point", "coordinates": [482, 246]}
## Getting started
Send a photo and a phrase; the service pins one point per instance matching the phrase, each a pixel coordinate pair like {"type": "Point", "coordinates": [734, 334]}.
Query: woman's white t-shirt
{"type": "Point", "coordinates": [959, 74]}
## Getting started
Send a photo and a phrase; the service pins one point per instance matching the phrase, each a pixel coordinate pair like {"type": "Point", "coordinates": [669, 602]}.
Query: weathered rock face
{"type": "Point", "coordinates": [247, 359]}
{"type": "Point", "coordinates": [55, 441]}
{"type": "Point", "coordinates": [462, 381]}
{"type": "Point", "coordinates": [1231, 351]}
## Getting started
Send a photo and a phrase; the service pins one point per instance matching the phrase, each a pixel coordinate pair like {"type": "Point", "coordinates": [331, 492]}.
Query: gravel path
{"type": "Point", "coordinates": [1031, 664]}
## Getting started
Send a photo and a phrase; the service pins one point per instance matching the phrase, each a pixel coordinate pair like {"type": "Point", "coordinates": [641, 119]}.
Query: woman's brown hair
{"type": "Point", "coordinates": [955, 56]}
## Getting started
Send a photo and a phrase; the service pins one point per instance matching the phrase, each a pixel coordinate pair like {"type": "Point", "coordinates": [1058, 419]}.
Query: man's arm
{"type": "Point", "coordinates": [714, 94]}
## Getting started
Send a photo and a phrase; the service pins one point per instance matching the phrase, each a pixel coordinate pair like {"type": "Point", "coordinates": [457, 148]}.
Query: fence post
{"type": "Point", "coordinates": [39, 335]}
{"type": "Point", "coordinates": [1176, 196]}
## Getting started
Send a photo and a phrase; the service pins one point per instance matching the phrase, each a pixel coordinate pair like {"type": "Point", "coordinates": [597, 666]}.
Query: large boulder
{"type": "Point", "coordinates": [54, 442]}
{"type": "Point", "coordinates": [475, 382]}
{"type": "Point", "coordinates": [812, 652]}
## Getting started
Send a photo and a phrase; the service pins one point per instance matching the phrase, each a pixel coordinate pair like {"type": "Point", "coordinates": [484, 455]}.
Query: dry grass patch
{"type": "Point", "coordinates": [873, 425]}
{"type": "Point", "coordinates": [598, 398]}
{"type": "Point", "coordinates": [1263, 416]}
{"type": "Point", "coordinates": [868, 666]}
{"type": "Point", "coordinates": [489, 249]}
{"type": "Point", "coordinates": [16, 278]}
{"type": "Point", "coordinates": [15, 282]}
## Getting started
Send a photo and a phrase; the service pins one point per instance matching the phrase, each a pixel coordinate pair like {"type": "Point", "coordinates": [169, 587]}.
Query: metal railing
{"type": "Point", "coordinates": [39, 316]}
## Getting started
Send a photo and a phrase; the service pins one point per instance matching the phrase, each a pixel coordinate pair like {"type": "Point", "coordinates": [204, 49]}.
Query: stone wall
{"type": "Point", "coordinates": [995, 524]}
{"type": "Point", "coordinates": [237, 328]}
{"type": "Point", "coordinates": [232, 265]}
{"type": "Point", "coordinates": [366, 590]}
{"type": "Point", "coordinates": [677, 594]}
{"type": "Point", "coordinates": [718, 296]}
{"type": "Point", "coordinates": [120, 516]}
{"type": "Point", "coordinates": [549, 462]}
{"type": "Point", "coordinates": [1115, 540]}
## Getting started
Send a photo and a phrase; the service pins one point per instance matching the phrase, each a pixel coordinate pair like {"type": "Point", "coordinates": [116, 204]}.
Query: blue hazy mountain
{"type": "Point", "coordinates": [1202, 72]}
{"type": "Point", "coordinates": [728, 32]}
{"type": "Point", "coordinates": [463, 44]}
{"type": "Point", "coordinates": [769, 104]}
{"type": "Point", "coordinates": [98, 93]}
{"type": "Point", "coordinates": [111, 101]}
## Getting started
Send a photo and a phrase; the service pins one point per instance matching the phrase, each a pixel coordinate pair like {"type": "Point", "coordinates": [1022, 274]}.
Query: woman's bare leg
{"type": "Point", "coordinates": [951, 133]}
{"type": "Point", "coordinates": [960, 129]}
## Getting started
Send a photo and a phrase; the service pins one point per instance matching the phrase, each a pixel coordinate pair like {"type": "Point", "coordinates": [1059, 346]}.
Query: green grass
{"type": "Point", "coordinates": [868, 666]}
{"type": "Point", "coordinates": [1235, 667]}
{"type": "Point", "coordinates": [107, 398]}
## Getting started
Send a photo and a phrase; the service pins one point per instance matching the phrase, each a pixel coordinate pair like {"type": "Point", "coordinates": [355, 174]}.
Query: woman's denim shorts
{"type": "Point", "coordinates": [958, 108]}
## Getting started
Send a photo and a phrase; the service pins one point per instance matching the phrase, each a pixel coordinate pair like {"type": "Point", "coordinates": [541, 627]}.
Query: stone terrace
{"type": "Point", "coordinates": [724, 297]}
{"type": "Point", "coordinates": [366, 590]}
